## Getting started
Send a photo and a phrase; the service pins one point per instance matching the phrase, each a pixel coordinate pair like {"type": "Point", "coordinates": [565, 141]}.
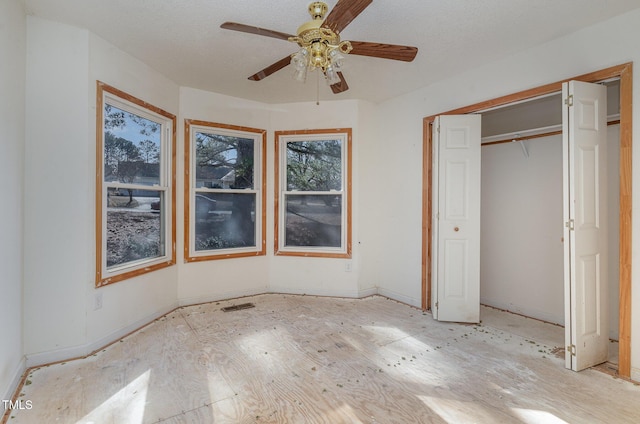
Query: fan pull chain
{"type": "Point", "coordinates": [318, 87]}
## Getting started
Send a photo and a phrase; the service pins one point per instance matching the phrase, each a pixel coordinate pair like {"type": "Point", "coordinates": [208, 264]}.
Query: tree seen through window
{"type": "Point", "coordinates": [226, 190]}
{"type": "Point", "coordinates": [132, 146]}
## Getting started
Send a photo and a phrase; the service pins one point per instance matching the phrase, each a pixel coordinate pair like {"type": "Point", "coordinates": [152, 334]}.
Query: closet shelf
{"type": "Point", "coordinates": [534, 132]}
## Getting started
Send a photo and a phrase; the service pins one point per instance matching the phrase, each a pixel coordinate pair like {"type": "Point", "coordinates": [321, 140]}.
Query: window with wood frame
{"type": "Point", "coordinates": [313, 193]}
{"type": "Point", "coordinates": [135, 186]}
{"type": "Point", "coordinates": [224, 191]}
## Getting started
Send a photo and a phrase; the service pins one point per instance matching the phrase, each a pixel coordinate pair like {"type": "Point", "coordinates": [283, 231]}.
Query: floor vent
{"type": "Point", "coordinates": [238, 307]}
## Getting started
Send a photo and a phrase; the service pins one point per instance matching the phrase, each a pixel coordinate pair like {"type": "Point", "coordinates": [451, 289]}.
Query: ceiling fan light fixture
{"type": "Point", "coordinates": [320, 46]}
{"type": "Point", "coordinates": [300, 59]}
{"type": "Point", "coordinates": [322, 56]}
{"type": "Point", "coordinates": [318, 54]}
{"type": "Point", "coordinates": [300, 74]}
{"type": "Point", "coordinates": [332, 75]}
{"type": "Point", "coordinates": [336, 58]}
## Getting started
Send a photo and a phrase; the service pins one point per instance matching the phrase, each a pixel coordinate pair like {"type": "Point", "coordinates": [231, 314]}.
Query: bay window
{"type": "Point", "coordinates": [313, 193]}
{"type": "Point", "coordinates": [224, 191]}
{"type": "Point", "coordinates": [135, 186]}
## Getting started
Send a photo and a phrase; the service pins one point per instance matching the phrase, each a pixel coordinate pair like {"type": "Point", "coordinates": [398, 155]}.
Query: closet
{"type": "Point", "coordinates": [521, 259]}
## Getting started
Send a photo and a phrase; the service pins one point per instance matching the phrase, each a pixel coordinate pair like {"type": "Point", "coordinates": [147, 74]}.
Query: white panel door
{"type": "Point", "coordinates": [585, 216]}
{"type": "Point", "coordinates": [456, 218]}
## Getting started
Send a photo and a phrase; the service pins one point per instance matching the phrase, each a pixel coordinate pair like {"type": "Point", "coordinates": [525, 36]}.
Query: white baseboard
{"type": "Point", "coordinates": [195, 300]}
{"type": "Point", "coordinates": [400, 297]}
{"type": "Point", "coordinates": [368, 292]}
{"type": "Point", "coordinates": [532, 313]}
{"type": "Point", "coordinates": [320, 292]}
{"type": "Point", "coordinates": [81, 351]}
{"type": "Point", "coordinates": [273, 290]}
{"type": "Point", "coordinates": [15, 382]}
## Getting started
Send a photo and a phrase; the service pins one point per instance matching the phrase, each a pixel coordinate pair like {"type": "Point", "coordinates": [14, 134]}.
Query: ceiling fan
{"type": "Point", "coordinates": [320, 45]}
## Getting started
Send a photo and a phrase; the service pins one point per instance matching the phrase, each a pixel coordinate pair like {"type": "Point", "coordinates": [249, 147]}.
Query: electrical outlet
{"type": "Point", "coordinates": [347, 266]}
{"type": "Point", "coordinates": [97, 302]}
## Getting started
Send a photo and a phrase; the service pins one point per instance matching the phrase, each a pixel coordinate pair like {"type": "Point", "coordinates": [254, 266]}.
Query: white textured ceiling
{"type": "Point", "coordinates": [182, 39]}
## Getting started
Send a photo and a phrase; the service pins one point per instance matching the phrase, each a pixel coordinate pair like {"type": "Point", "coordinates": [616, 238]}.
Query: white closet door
{"type": "Point", "coordinates": [585, 215]}
{"type": "Point", "coordinates": [456, 218]}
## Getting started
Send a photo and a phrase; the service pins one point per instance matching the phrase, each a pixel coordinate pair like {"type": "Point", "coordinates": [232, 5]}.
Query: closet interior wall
{"type": "Point", "coordinates": [521, 213]}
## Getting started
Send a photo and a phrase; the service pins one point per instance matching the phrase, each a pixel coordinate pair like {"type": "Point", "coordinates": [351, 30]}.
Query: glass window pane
{"type": "Point", "coordinates": [313, 220]}
{"type": "Point", "coordinates": [134, 226]}
{"type": "Point", "coordinates": [314, 165]}
{"type": "Point", "coordinates": [224, 161]}
{"type": "Point", "coordinates": [131, 148]}
{"type": "Point", "coordinates": [225, 220]}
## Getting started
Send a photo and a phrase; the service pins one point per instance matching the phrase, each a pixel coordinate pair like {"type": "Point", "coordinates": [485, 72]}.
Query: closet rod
{"type": "Point", "coordinates": [537, 133]}
{"type": "Point", "coordinates": [523, 135]}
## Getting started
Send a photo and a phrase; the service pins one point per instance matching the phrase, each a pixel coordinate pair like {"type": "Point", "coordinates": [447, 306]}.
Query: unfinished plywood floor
{"type": "Point", "coordinates": [304, 359]}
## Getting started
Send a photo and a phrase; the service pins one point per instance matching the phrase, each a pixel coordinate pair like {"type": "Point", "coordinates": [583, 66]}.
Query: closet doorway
{"type": "Point", "coordinates": [621, 75]}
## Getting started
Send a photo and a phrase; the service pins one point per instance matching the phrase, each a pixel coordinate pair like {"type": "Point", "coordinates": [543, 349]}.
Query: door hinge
{"type": "Point", "coordinates": [570, 224]}
{"type": "Point", "coordinates": [572, 350]}
{"type": "Point", "coordinates": [569, 100]}
{"type": "Point", "coordinates": [436, 305]}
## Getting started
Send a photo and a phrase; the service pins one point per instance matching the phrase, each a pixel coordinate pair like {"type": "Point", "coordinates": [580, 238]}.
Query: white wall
{"type": "Point", "coordinates": [321, 276]}
{"type": "Point", "coordinates": [57, 186]}
{"type": "Point", "coordinates": [521, 259]}
{"type": "Point", "coordinates": [12, 86]}
{"type": "Point", "coordinates": [125, 306]}
{"type": "Point", "coordinates": [210, 280]}
{"type": "Point", "coordinates": [521, 242]}
{"type": "Point", "coordinates": [60, 321]}
{"type": "Point", "coordinates": [367, 218]}
{"type": "Point", "coordinates": [226, 278]}
{"type": "Point", "coordinates": [606, 44]}
{"type": "Point", "coordinates": [63, 63]}
{"type": "Point", "coordinates": [395, 201]}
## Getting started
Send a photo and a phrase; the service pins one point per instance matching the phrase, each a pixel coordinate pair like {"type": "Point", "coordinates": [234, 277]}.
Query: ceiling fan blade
{"type": "Point", "coordinates": [343, 13]}
{"type": "Point", "coordinates": [340, 86]}
{"type": "Point", "coordinates": [255, 30]}
{"type": "Point", "coordinates": [384, 51]}
{"type": "Point", "coordinates": [271, 69]}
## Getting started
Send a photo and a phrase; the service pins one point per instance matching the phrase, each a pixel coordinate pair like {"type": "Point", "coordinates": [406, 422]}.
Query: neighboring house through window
{"type": "Point", "coordinates": [135, 186]}
{"type": "Point", "coordinates": [224, 191]}
{"type": "Point", "coordinates": [313, 193]}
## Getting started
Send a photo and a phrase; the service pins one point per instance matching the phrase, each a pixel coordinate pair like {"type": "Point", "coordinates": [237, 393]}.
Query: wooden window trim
{"type": "Point", "coordinates": [625, 73]}
{"type": "Point", "coordinates": [260, 244]}
{"type": "Point", "coordinates": [101, 88]}
{"type": "Point", "coordinates": [348, 188]}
